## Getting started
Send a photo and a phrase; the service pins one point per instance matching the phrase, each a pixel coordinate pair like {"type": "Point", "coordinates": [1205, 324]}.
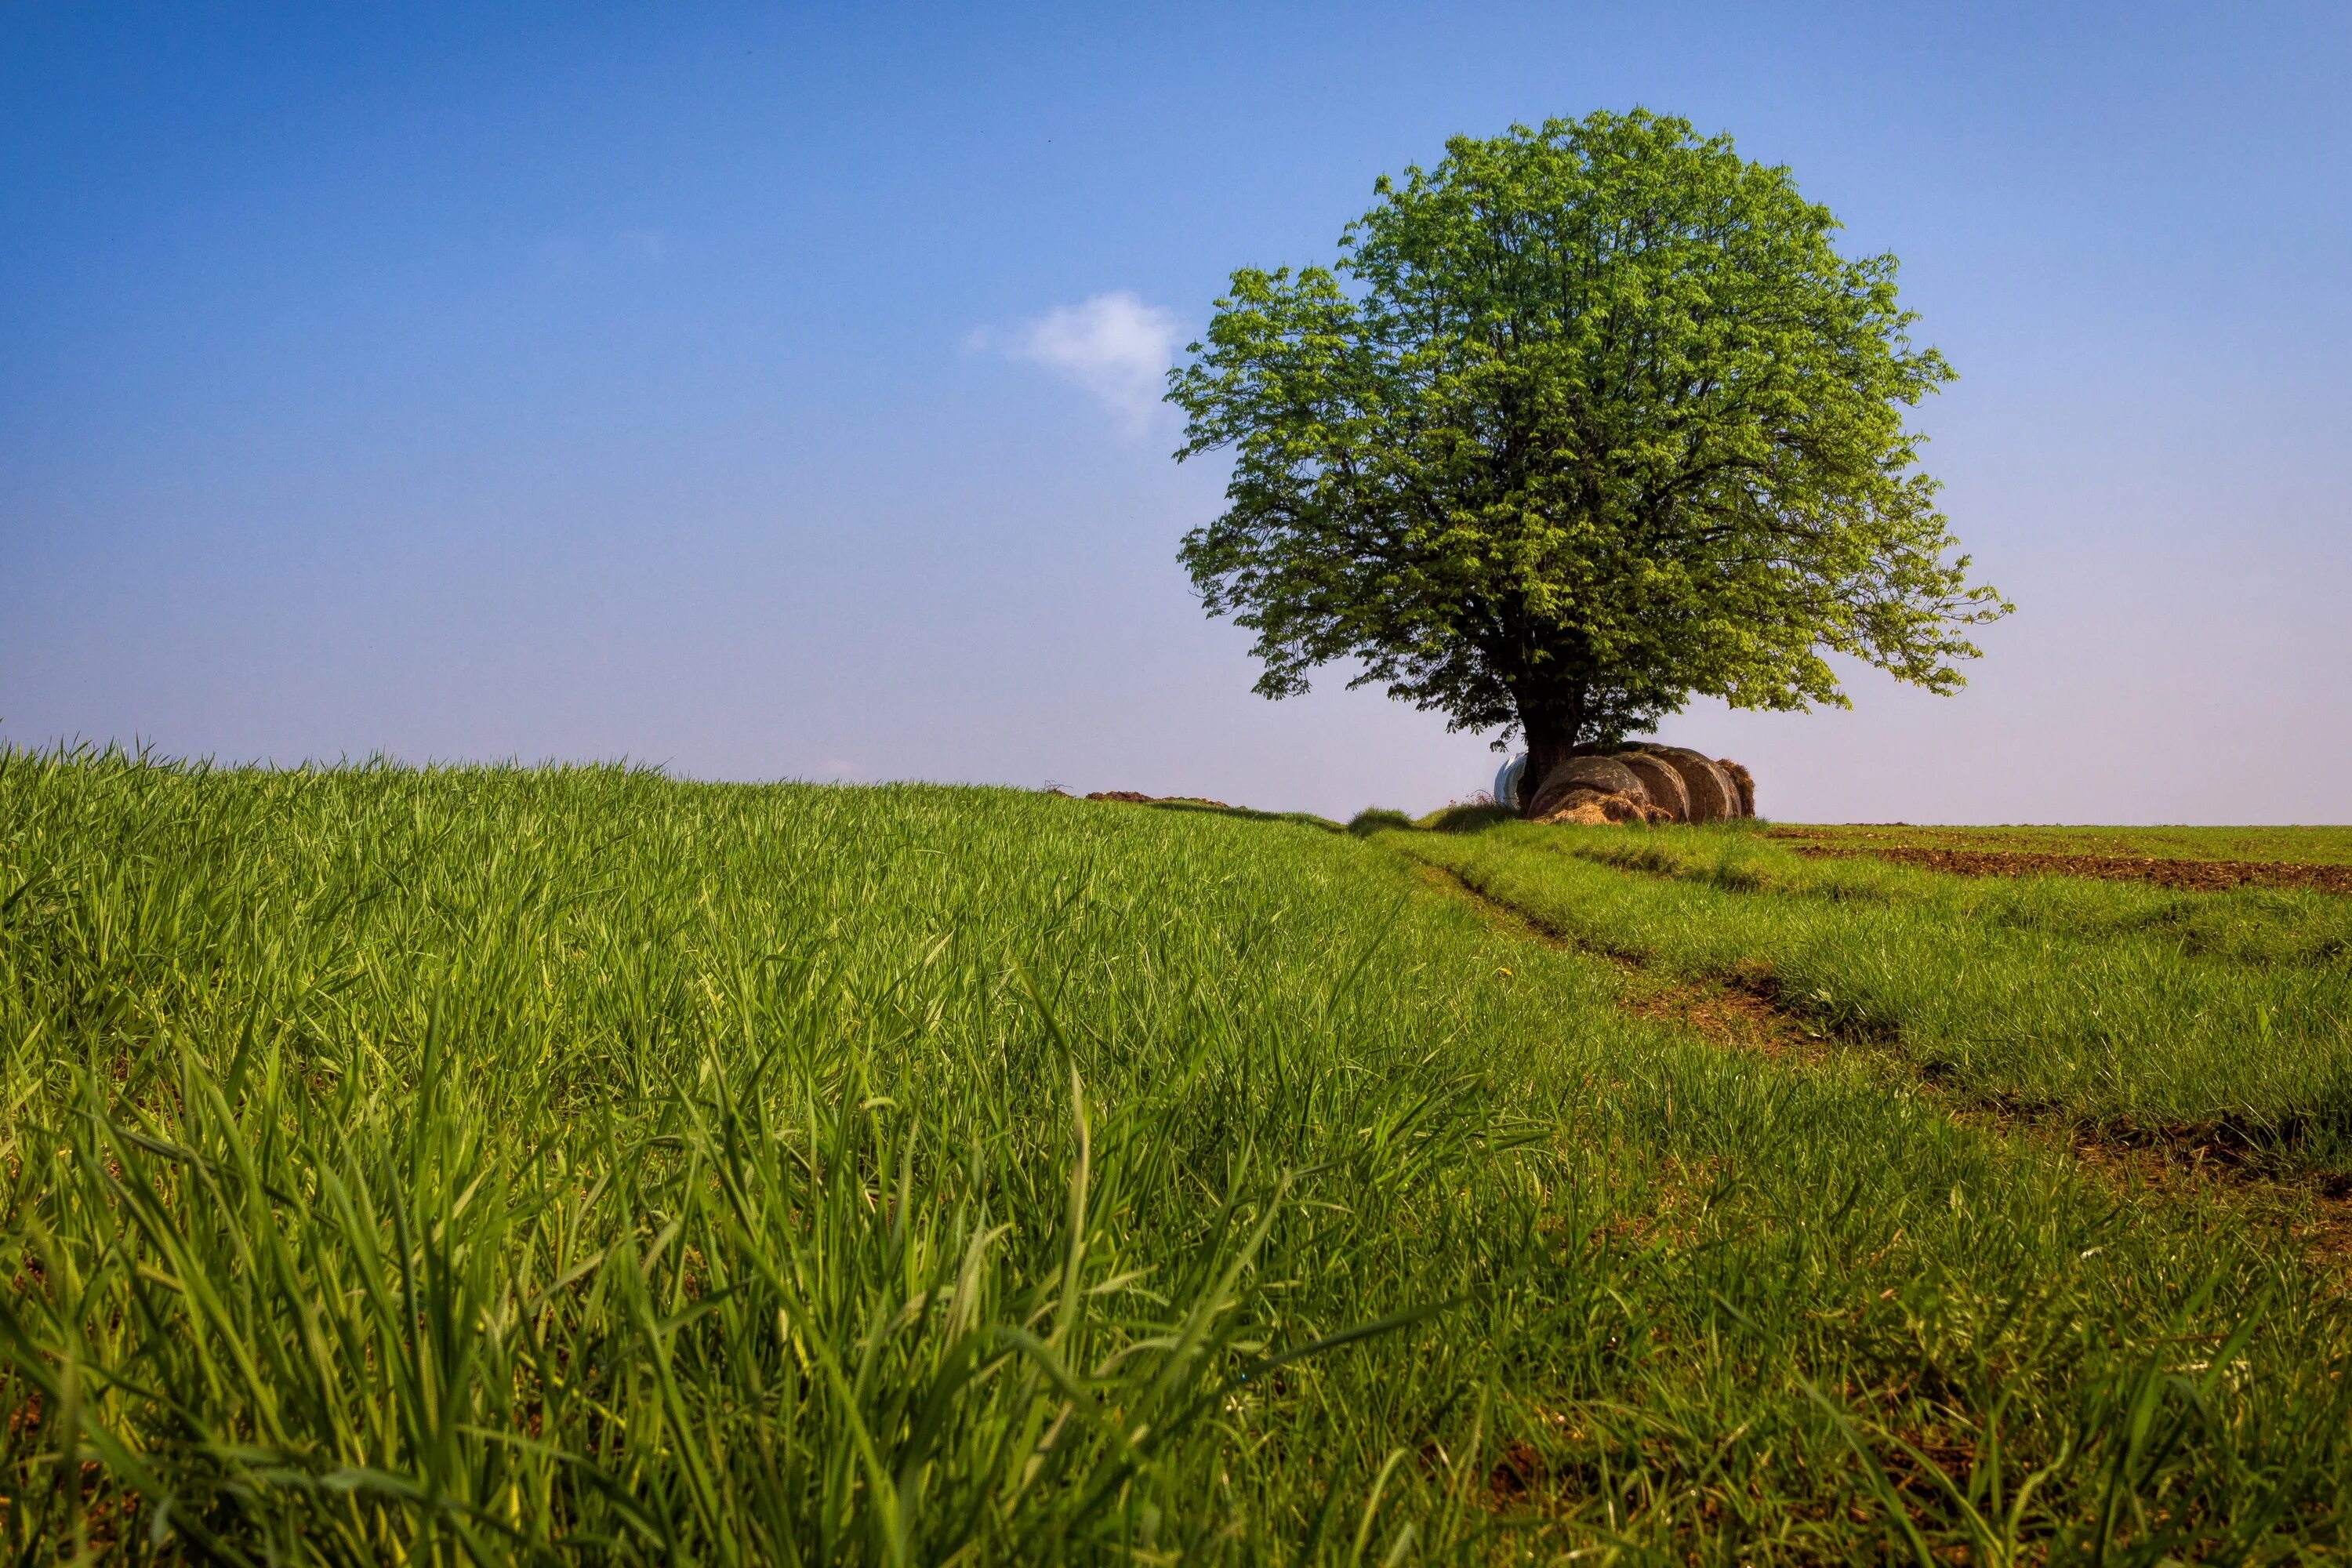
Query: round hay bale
{"type": "Point", "coordinates": [1594, 808]}
{"type": "Point", "coordinates": [1712, 794]}
{"type": "Point", "coordinates": [1743, 781]}
{"type": "Point", "coordinates": [1665, 785]}
{"type": "Point", "coordinates": [1602, 775]}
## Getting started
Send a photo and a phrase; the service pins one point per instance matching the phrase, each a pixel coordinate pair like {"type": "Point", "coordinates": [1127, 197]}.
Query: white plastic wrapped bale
{"type": "Point", "coordinates": [1506, 782]}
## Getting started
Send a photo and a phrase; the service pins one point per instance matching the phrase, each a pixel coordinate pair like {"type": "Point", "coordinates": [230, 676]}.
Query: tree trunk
{"type": "Point", "coordinates": [1549, 741]}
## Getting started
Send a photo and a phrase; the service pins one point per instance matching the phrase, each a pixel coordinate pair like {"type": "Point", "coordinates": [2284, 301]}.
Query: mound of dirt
{"type": "Point", "coordinates": [1712, 795]}
{"type": "Point", "coordinates": [1742, 781]}
{"type": "Point", "coordinates": [1595, 775]}
{"type": "Point", "coordinates": [1666, 790]}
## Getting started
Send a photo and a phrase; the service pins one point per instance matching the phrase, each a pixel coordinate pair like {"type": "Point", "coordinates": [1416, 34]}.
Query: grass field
{"type": "Point", "coordinates": [566, 1164]}
{"type": "Point", "coordinates": [2307, 845]}
{"type": "Point", "coordinates": [2101, 1003]}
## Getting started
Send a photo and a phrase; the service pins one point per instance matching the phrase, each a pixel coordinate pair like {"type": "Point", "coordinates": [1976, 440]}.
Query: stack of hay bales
{"type": "Point", "coordinates": [1644, 783]}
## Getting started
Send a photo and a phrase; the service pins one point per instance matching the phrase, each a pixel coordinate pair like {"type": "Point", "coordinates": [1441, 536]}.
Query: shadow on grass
{"type": "Point", "coordinates": [1382, 819]}
{"type": "Point", "coordinates": [1451, 819]}
{"type": "Point", "coordinates": [1479, 819]}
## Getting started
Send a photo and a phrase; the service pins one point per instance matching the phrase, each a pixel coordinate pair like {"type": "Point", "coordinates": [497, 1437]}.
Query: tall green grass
{"type": "Point", "coordinates": [578, 1164]}
{"type": "Point", "coordinates": [2101, 1000]}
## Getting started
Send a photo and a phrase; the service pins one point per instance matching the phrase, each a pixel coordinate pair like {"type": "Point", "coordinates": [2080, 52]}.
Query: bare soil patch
{"type": "Point", "coordinates": [2186, 876]}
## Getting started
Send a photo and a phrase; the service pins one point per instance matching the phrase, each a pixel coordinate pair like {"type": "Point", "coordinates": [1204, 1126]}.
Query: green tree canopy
{"type": "Point", "coordinates": [1584, 421]}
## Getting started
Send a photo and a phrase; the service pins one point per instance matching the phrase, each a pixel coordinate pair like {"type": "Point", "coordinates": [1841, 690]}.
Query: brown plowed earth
{"type": "Point", "coordinates": [1129, 797]}
{"type": "Point", "coordinates": [1744, 1010]}
{"type": "Point", "coordinates": [2186, 876]}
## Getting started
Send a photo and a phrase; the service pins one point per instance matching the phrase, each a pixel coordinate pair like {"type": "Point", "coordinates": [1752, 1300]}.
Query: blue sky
{"type": "Point", "coordinates": [754, 390]}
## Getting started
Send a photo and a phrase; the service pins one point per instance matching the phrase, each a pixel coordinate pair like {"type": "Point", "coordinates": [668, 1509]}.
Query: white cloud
{"type": "Point", "coordinates": [1114, 345]}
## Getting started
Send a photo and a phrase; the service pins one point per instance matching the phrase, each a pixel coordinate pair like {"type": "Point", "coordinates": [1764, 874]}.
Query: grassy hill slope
{"type": "Point", "coordinates": [501, 1164]}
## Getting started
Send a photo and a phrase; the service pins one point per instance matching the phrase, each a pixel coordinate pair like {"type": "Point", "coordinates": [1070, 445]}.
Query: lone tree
{"type": "Point", "coordinates": [1584, 421]}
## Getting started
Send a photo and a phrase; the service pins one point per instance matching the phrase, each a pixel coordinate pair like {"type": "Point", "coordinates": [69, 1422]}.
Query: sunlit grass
{"type": "Point", "coordinates": [541, 1165]}
{"type": "Point", "coordinates": [2311, 845]}
{"type": "Point", "coordinates": [2092, 998]}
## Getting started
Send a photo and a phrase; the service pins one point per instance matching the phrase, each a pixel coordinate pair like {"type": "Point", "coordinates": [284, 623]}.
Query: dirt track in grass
{"type": "Point", "coordinates": [1744, 1011]}
{"type": "Point", "coordinates": [1729, 1013]}
{"type": "Point", "coordinates": [2186, 876]}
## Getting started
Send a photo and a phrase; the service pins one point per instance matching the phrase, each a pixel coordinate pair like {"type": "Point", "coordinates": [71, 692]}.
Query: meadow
{"type": "Point", "coordinates": [2108, 1004]}
{"type": "Point", "coordinates": [2309, 846]}
{"type": "Point", "coordinates": [579, 1164]}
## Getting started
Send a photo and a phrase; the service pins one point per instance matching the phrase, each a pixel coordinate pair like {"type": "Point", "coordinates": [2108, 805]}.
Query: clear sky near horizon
{"type": "Point", "coordinates": [767, 392]}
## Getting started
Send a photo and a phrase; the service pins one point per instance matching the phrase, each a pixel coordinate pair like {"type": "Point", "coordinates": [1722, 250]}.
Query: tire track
{"type": "Point", "coordinates": [1744, 1011]}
